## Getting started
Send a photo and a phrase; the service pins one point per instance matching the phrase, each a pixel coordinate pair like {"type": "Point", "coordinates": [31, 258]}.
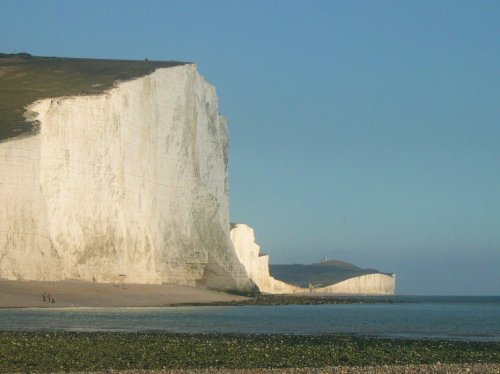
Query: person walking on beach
{"type": "Point", "coordinates": [44, 295]}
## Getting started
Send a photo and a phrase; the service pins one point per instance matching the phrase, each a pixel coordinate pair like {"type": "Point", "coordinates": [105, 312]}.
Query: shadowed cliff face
{"type": "Point", "coordinates": [25, 79]}
{"type": "Point", "coordinates": [131, 182]}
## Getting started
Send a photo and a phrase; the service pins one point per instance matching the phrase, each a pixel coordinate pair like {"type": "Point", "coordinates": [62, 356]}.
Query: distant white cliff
{"type": "Point", "coordinates": [256, 264]}
{"type": "Point", "coordinates": [257, 267]}
{"type": "Point", "coordinates": [129, 183]}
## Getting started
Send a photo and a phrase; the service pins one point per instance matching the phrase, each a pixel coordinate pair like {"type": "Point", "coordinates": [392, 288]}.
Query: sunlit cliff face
{"type": "Point", "coordinates": [131, 182]}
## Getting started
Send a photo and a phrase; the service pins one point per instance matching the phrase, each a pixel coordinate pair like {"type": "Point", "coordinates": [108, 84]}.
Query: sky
{"type": "Point", "coordinates": [365, 131]}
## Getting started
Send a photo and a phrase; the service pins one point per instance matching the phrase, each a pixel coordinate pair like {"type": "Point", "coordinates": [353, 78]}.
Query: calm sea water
{"type": "Point", "coordinates": [464, 318]}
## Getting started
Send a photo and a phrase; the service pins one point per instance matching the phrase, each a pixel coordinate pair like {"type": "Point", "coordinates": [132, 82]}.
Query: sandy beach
{"type": "Point", "coordinates": [23, 294]}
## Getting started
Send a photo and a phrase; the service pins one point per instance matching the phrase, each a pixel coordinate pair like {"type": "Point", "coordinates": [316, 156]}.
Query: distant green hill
{"type": "Point", "coordinates": [25, 78]}
{"type": "Point", "coordinates": [320, 274]}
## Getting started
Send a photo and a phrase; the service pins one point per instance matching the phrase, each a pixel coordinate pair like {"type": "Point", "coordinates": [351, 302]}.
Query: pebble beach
{"type": "Point", "coordinates": [39, 352]}
{"type": "Point", "coordinates": [385, 369]}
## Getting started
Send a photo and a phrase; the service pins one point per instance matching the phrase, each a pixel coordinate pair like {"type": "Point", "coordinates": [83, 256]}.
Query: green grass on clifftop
{"type": "Point", "coordinates": [320, 274]}
{"type": "Point", "coordinates": [25, 79]}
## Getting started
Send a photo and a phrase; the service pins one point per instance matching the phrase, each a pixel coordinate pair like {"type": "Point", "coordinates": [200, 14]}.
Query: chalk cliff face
{"type": "Point", "coordinates": [132, 182]}
{"type": "Point", "coordinates": [257, 267]}
{"type": "Point", "coordinates": [256, 264]}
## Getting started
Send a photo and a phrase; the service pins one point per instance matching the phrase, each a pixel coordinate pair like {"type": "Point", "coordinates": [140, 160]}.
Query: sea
{"type": "Point", "coordinates": [466, 318]}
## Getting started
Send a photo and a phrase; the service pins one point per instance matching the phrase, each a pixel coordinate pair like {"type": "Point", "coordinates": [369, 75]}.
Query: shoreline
{"type": "Point", "coordinates": [83, 294]}
{"type": "Point", "coordinates": [302, 299]}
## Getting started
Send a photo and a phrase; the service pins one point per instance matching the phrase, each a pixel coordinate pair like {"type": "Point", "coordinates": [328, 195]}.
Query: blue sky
{"type": "Point", "coordinates": [367, 131]}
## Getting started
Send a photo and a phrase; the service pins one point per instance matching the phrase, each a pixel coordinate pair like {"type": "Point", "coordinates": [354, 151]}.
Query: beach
{"type": "Point", "coordinates": [384, 369]}
{"type": "Point", "coordinates": [45, 351]}
{"type": "Point", "coordinates": [73, 293]}
{"type": "Point", "coordinates": [148, 351]}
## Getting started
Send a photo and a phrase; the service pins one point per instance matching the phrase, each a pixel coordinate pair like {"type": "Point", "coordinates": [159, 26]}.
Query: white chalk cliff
{"type": "Point", "coordinates": [131, 182]}
{"type": "Point", "coordinates": [257, 266]}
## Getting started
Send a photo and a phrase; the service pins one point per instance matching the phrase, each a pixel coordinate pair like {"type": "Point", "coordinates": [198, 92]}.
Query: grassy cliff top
{"type": "Point", "coordinates": [25, 79]}
{"type": "Point", "coordinates": [320, 275]}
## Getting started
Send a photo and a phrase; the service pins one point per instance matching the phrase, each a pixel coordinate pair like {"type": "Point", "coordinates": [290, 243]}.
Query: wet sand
{"type": "Point", "coordinates": [23, 294]}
